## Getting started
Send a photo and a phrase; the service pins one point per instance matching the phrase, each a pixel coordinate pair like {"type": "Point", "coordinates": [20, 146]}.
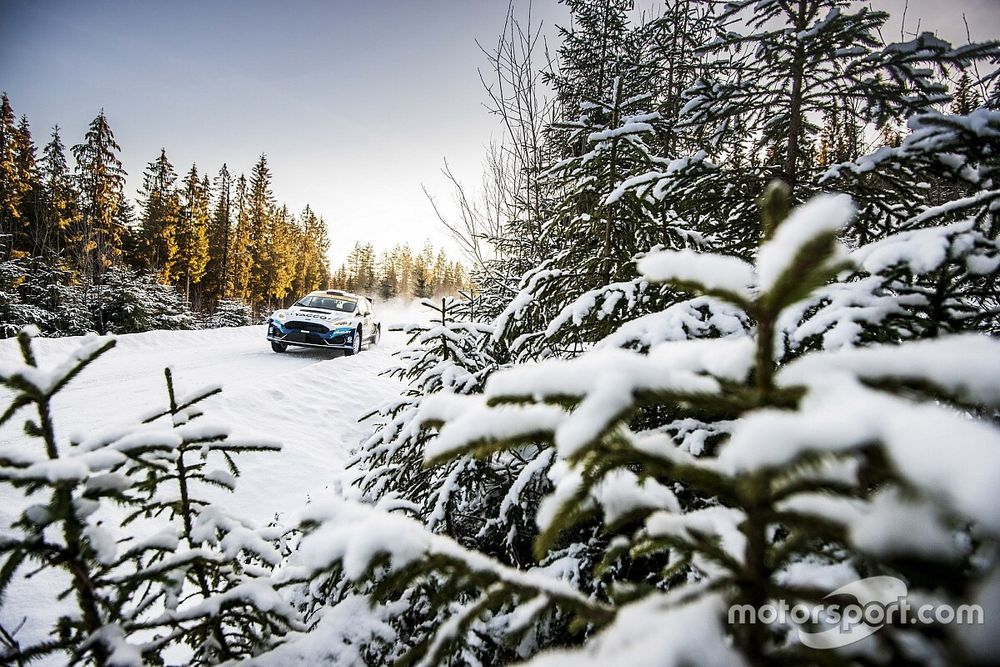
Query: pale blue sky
{"type": "Point", "coordinates": [356, 103]}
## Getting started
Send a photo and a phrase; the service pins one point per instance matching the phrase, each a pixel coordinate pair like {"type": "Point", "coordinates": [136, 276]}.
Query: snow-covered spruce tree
{"type": "Point", "coordinates": [623, 127]}
{"type": "Point", "coordinates": [15, 310]}
{"type": "Point", "coordinates": [148, 564]}
{"type": "Point", "coordinates": [477, 502]}
{"type": "Point", "coordinates": [835, 469]}
{"type": "Point", "coordinates": [945, 170]}
{"type": "Point", "coordinates": [592, 54]}
{"type": "Point", "coordinates": [596, 235]}
{"type": "Point", "coordinates": [444, 355]}
{"type": "Point", "coordinates": [231, 313]}
{"type": "Point", "coordinates": [912, 285]}
{"type": "Point", "coordinates": [35, 292]}
{"type": "Point", "coordinates": [775, 70]}
{"type": "Point", "coordinates": [938, 273]}
{"type": "Point", "coordinates": [129, 302]}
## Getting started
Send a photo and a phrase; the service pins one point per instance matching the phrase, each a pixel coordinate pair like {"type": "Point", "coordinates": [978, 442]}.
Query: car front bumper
{"type": "Point", "coordinates": [337, 339]}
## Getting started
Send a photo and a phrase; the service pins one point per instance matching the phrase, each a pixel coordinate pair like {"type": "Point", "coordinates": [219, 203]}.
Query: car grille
{"type": "Point", "coordinates": [338, 340]}
{"type": "Point", "coordinates": [311, 339]}
{"type": "Point", "coordinates": [306, 326]}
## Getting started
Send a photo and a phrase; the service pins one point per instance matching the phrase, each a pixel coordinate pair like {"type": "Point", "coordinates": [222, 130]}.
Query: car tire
{"type": "Point", "coordinates": [356, 345]}
{"type": "Point", "coordinates": [278, 347]}
{"type": "Point", "coordinates": [378, 335]}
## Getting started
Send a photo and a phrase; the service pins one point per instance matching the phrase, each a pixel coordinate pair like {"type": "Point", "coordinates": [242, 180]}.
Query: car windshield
{"type": "Point", "coordinates": [327, 303]}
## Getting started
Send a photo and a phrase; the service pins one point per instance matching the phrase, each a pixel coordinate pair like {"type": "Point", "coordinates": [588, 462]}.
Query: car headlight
{"type": "Point", "coordinates": [279, 316]}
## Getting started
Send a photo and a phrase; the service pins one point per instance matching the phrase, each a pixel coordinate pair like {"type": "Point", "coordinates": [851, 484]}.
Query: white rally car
{"type": "Point", "coordinates": [325, 318]}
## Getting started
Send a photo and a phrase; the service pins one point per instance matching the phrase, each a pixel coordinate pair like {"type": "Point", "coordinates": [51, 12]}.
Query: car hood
{"type": "Point", "coordinates": [330, 317]}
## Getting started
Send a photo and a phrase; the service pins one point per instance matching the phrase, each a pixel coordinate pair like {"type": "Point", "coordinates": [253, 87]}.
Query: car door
{"type": "Point", "coordinates": [365, 313]}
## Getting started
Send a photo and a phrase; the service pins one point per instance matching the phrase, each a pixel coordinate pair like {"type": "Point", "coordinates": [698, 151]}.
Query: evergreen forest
{"type": "Point", "coordinates": [723, 340]}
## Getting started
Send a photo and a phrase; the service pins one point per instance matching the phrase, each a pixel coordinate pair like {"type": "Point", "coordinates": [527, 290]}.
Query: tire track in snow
{"type": "Point", "coordinates": [308, 399]}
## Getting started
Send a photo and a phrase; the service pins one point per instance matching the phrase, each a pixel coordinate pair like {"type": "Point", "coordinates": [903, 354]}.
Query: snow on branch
{"type": "Point", "coordinates": [360, 539]}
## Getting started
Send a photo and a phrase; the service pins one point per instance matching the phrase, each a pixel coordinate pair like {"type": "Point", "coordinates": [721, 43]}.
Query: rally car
{"type": "Point", "coordinates": [326, 318]}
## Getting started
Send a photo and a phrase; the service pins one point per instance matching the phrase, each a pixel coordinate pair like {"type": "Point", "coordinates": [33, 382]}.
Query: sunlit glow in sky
{"type": "Point", "coordinates": [357, 103]}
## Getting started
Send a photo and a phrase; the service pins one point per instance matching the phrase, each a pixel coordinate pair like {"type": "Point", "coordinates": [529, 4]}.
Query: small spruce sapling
{"type": "Point", "coordinates": [446, 355]}
{"type": "Point", "coordinates": [214, 585]}
{"type": "Point", "coordinates": [150, 564]}
{"type": "Point", "coordinates": [62, 530]}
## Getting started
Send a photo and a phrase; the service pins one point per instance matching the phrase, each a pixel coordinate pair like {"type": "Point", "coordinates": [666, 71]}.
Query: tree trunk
{"type": "Point", "coordinates": [795, 103]}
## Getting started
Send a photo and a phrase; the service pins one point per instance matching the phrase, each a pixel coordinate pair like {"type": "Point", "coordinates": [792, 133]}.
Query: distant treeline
{"type": "Point", "coordinates": [213, 238]}
{"type": "Point", "coordinates": [70, 240]}
{"type": "Point", "coordinates": [401, 272]}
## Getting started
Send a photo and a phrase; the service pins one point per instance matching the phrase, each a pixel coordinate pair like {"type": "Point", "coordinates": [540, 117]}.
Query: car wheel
{"type": "Point", "coordinates": [278, 347]}
{"type": "Point", "coordinates": [356, 346]}
{"type": "Point", "coordinates": [378, 335]}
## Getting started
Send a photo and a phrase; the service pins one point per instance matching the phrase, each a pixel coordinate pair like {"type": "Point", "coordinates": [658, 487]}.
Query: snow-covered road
{"type": "Point", "coordinates": [309, 400]}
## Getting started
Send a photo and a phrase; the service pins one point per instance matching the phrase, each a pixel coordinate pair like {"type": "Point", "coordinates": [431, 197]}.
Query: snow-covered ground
{"type": "Point", "coordinates": [310, 400]}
